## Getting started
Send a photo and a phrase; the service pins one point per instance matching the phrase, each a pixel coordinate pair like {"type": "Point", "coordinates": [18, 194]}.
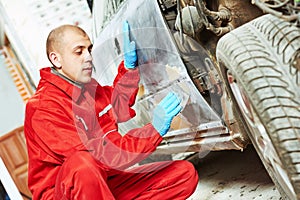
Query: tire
{"type": "Point", "coordinates": [259, 65]}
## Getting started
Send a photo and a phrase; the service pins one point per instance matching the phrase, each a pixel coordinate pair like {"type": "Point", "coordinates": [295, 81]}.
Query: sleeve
{"type": "Point", "coordinates": [124, 91]}
{"type": "Point", "coordinates": [120, 152]}
{"type": "Point", "coordinates": [63, 137]}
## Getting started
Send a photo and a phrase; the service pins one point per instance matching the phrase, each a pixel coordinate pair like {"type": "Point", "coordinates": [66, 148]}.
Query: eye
{"type": "Point", "coordinates": [78, 52]}
{"type": "Point", "coordinates": [90, 48]}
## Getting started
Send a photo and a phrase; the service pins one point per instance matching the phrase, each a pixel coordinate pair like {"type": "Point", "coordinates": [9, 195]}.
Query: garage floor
{"type": "Point", "coordinates": [233, 175]}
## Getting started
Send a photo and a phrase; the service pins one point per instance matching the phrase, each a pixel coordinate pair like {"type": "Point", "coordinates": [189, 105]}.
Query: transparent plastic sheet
{"type": "Point", "coordinates": [161, 67]}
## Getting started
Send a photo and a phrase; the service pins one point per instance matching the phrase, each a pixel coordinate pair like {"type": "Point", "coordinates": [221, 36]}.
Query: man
{"type": "Point", "coordinates": [74, 148]}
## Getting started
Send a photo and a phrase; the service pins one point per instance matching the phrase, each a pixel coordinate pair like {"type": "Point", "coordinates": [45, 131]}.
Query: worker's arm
{"type": "Point", "coordinates": [120, 152]}
{"type": "Point", "coordinates": [125, 86]}
{"type": "Point", "coordinates": [123, 93]}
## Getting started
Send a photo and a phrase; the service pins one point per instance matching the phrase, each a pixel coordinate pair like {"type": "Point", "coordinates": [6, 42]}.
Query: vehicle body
{"type": "Point", "coordinates": [235, 68]}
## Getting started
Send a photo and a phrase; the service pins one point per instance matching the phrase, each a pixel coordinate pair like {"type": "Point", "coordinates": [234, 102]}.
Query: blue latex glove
{"type": "Point", "coordinates": [130, 56]}
{"type": "Point", "coordinates": [165, 111]}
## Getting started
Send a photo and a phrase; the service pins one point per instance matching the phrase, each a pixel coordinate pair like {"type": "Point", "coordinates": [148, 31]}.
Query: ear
{"type": "Point", "coordinates": [55, 59]}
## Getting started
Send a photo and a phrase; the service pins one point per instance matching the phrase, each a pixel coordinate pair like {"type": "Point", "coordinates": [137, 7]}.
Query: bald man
{"type": "Point", "coordinates": [74, 147]}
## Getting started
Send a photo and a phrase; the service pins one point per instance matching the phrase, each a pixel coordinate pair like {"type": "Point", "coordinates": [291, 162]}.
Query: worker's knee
{"type": "Point", "coordinates": [80, 158]}
{"type": "Point", "coordinates": [191, 177]}
{"type": "Point", "coordinates": [80, 175]}
{"type": "Point", "coordinates": [80, 172]}
{"type": "Point", "coordinates": [189, 173]}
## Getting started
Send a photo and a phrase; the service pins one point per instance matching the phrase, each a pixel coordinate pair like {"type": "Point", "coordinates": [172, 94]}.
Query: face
{"type": "Point", "coordinates": [74, 59]}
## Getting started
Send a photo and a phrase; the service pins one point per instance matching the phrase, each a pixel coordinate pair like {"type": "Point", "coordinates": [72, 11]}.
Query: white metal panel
{"type": "Point", "coordinates": [11, 104]}
{"type": "Point", "coordinates": [28, 23]}
{"type": "Point", "coordinates": [8, 183]}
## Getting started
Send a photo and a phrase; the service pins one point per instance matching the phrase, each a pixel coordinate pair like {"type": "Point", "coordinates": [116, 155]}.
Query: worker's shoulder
{"type": "Point", "coordinates": [46, 96]}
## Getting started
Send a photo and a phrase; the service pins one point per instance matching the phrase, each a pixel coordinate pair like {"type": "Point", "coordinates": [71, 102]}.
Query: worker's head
{"type": "Point", "coordinates": [69, 50]}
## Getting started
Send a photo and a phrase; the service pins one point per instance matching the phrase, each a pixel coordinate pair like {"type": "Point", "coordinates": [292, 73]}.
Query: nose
{"type": "Point", "coordinates": [88, 56]}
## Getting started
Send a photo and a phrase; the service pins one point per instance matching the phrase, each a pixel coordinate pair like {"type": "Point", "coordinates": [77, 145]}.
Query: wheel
{"type": "Point", "coordinates": [260, 65]}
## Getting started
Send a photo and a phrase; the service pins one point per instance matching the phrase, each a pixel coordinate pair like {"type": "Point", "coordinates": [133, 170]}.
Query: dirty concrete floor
{"type": "Point", "coordinates": [233, 175]}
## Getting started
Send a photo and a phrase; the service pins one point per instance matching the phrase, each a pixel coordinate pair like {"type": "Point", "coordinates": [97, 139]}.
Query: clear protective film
{"type": "Point", "coordinates": [161, 67]}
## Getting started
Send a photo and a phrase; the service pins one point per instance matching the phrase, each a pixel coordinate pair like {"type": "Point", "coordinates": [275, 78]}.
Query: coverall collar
{"type": "Point", "coordinates": [71, 88]}
{"type": "Point", "coordinates": [54, 71]}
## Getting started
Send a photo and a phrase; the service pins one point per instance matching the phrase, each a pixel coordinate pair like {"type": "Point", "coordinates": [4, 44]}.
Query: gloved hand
{"type": "Point", "coordinates": [130, 56]}
{"type": "Point", "coordinates": [165, 111]}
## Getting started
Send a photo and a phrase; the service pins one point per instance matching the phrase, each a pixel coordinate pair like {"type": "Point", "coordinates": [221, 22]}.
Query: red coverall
{"type": "Point", "coordinates": [76, 152]}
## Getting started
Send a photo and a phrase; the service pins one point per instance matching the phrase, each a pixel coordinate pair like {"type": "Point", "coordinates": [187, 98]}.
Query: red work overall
{"type": "Point", "coordinates": [76, 152]}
